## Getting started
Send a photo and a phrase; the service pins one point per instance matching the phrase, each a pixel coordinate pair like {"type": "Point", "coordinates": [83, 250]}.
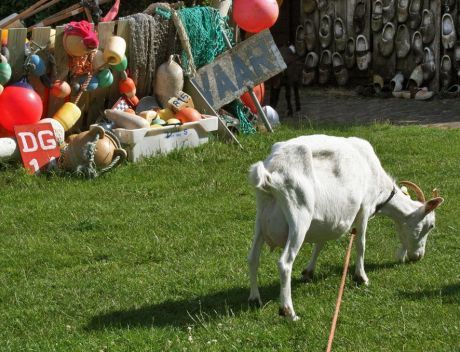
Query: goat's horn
{"type": "Point", "coordinates": [436, 193]}
{"type": "Point", "coordinates": [416, 189]}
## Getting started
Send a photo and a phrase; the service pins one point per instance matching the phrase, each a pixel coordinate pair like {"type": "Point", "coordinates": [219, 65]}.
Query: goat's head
{"type": "Point", "coordinates": [413, 230]}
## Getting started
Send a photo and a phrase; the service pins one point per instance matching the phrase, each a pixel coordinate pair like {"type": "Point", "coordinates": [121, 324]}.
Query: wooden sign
{"type": "Point", "coordinates": [37, 145]}
{"type": "Point", "coordinates": [247, 64]}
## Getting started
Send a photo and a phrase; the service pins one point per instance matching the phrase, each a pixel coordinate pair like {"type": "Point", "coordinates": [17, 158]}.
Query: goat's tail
{"type": "Point", "coordinates": [259, 177]}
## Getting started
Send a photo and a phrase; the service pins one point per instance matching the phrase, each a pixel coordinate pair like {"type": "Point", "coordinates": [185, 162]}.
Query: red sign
{"type": "Point", "coordinates": [37, 145]}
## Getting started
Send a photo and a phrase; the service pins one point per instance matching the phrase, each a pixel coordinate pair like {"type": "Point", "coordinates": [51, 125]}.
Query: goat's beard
{"type": "Point", "coordinates": [401, 254]}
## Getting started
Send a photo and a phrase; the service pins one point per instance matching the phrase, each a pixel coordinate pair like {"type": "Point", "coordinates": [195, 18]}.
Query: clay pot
{"type": "Point", "coordinates": [79, 151]}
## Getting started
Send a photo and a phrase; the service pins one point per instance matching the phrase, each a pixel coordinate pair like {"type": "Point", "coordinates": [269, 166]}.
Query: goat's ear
{"type": "Point", "coordinates": [432, 204]}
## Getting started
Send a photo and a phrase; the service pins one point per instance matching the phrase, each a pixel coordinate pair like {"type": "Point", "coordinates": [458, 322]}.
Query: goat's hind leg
{"type": "Point", "coordinates": [308, 272]}
{"type": "Point", "coordinates": [253, 262]}
{"type": "Point", "coordinates": [299, 222]}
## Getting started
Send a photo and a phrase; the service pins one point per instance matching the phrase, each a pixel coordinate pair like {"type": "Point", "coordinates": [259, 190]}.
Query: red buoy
{"type": "Point", "coordinates": [255, 15]}
{"type": "Point", "coordinates": [259, 91]}
{"type": "Point", "coordinates": [19, 105]}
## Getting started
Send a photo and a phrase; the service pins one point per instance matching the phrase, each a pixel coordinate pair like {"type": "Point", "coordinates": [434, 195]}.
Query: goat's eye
{"type": "Point", "coordinates": [431, 226]}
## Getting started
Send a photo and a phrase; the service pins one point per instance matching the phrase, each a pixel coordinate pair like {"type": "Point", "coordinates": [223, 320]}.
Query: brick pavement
{"type": "Point", "coordinates": [344, 106]}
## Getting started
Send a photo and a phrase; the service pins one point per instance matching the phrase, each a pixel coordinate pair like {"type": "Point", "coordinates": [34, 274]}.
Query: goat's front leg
{"type": "Point", "coordinates": [253, 261]}
{"type": "Point", "coordinates": [308, 272]}
{"type": "Point", "coordinates": [361, 227]}
{"type": "Point", "coordinates": [298, 226]}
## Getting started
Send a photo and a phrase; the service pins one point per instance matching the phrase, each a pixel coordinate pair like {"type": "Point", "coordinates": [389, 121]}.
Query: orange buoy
{"type": "Point", "coordinates": [60, 89]}
{"type": "Point", "coordinates": [188, 115]}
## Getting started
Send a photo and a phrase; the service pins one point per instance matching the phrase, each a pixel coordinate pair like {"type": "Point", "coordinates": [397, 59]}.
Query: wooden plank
{"type": "Point", "coordinates": [381, 65]}
{"type": "Point", "coordinates": [435, 7]}
{"type": "Point", "coordinates": [203, 107]}
{"type": "Point", "coordinates": [98, 98]}
{"type": "Point", "coordinates": [62, 69]}
{"type": "Point", "coordinates": [16, 45]}
{"type": "Point", "coordinates": [41, 36]}
{"type": "Point", "coordinates": [122, 31]}
{"type": "Point", "coordinates": [247, 64]}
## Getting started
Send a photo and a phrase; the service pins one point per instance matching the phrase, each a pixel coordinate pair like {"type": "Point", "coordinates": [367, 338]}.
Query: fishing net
{"type": "Point", "coordinates": [151, 41]}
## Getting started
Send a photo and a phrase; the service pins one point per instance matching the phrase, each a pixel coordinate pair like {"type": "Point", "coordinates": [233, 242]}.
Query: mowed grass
{"type": "Point", "coordinates": [152, 257]}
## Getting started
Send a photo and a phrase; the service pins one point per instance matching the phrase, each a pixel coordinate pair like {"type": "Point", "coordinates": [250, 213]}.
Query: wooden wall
{"type": "Point", "coordinates": [387, 67]}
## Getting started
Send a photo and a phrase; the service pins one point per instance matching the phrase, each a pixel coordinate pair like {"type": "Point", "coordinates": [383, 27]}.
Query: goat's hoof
{"type": "Point", "coordinates": [287, 313]}
{"type": "Point", "coordinates": [255, 302]}
{"type": "Point", "coordinates": [307, 276]}
{"type": "Point", "coordinates": [361, 280]}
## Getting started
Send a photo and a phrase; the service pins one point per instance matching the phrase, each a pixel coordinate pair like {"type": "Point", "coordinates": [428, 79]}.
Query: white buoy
{"type": "Point", "coordinates": [272, 115]}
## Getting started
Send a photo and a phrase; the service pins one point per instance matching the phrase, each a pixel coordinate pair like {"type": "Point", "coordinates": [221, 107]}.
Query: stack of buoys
{"type": "Point", "coordinates": [180, 110]}
{"type": "Point", "coordinates": [80, 42]}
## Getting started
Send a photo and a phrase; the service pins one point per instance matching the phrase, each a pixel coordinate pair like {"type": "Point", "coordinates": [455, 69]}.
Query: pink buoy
{"type": "Point", "coordinates": [19, 105]}
{"type": "Point", "coordinates": [255, 15]}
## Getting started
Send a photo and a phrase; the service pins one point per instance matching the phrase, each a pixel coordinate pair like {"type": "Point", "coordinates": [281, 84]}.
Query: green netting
{"type": "Point", "coordinates": [204, 26]}
{"type": "Point", "coordinates": [242, 112]}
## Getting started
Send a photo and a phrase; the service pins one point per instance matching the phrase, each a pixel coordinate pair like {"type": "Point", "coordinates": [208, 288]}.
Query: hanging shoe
{"type": "Point", "coordinates": [309, 68]}
{"type": "Point", "coordinates": [300, 46]}
{"type": "Point", "coordinates": [402, 41]}
{"type": "Point", "coordinates": [377, 83]}
{"type": "Point", "coordinates": [308, 6]}
{"type": "Point", "coordinates": [388, 11]}
{"type": "Point", "coordinates": [359, 16]}
{"type": "Point", "coordinates": [448, 35]}
{"type": "Point", "coordinates": [377, 19]}
{"type": "Point", "coordinates": [321, 4]}
{"type": "Point", "coordinates": [340, 36]}
{"type": "Point", "coordinates": [417, 47]}
{"type": "Point", "coordinates": [428, 65]}
{"type": "Point", "coordinates": [310, 35]}
{"type": "Point", "coordinates": [363, 56]}
{"type": "Point", "coordinates": [386, 43]}
{"type": "Point", "coordinates": [402, 11]}
{"type": "Point", "coordinates": [325, 31]}
{"type": "Point", "coordinates": [324, 70]}
{"type": "Point", "coordinates": [445, 72]}
{"type": "Point", "coordinates": [415, 16]}
{"type": "Point", "coordinates": [340, 71]}
{"type": "Point", "coordinates": [349, 56]}
{"type": "Point", "coordinates": [427, 26]}
{"type": "Point", "coordinates": [396, 83]}
{"type": "Point", "coordinates": [415, 78]}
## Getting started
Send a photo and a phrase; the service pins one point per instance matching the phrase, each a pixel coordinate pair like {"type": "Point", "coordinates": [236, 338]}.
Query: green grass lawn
{"type": "Point", "coordinates": [152, 257]}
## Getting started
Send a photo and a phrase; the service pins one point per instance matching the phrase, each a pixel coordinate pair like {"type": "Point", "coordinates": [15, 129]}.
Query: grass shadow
{"type": "Point", "coordinates": [179, 313]}
{"type": "Point", "coordinates": [369, 267]}
{"type": "Point", "coordinates": [449, 294]}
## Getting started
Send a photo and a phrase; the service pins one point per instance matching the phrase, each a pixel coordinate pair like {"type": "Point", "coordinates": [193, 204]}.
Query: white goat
{"type": "Point", "coordinates": [316, 188]}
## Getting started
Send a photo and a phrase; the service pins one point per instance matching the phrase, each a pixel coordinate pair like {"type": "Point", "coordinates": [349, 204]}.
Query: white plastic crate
{"type": "Point", "coordinates": [144, 142]}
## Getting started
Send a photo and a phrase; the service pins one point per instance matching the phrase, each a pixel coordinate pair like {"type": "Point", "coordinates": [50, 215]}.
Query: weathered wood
{"type": "Point", "coordinates": [41, 37]}
{"type": "Point", "coordinates": [122, 31]}
{"type": "Point", "coordinates": [99, 97]}
{"type": "Point", "coordinates": [202, 105]}
{"type": "Point", "coordinates": [381, 65]}
{"type": "Point", "coordinates": [62, 69]}
{"type": "Point", "coordinates": [247, 64]}
{"type": "Point", "coordinates": [16, 45]}
{"type": "Point", "coordinates": [435, 7]}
